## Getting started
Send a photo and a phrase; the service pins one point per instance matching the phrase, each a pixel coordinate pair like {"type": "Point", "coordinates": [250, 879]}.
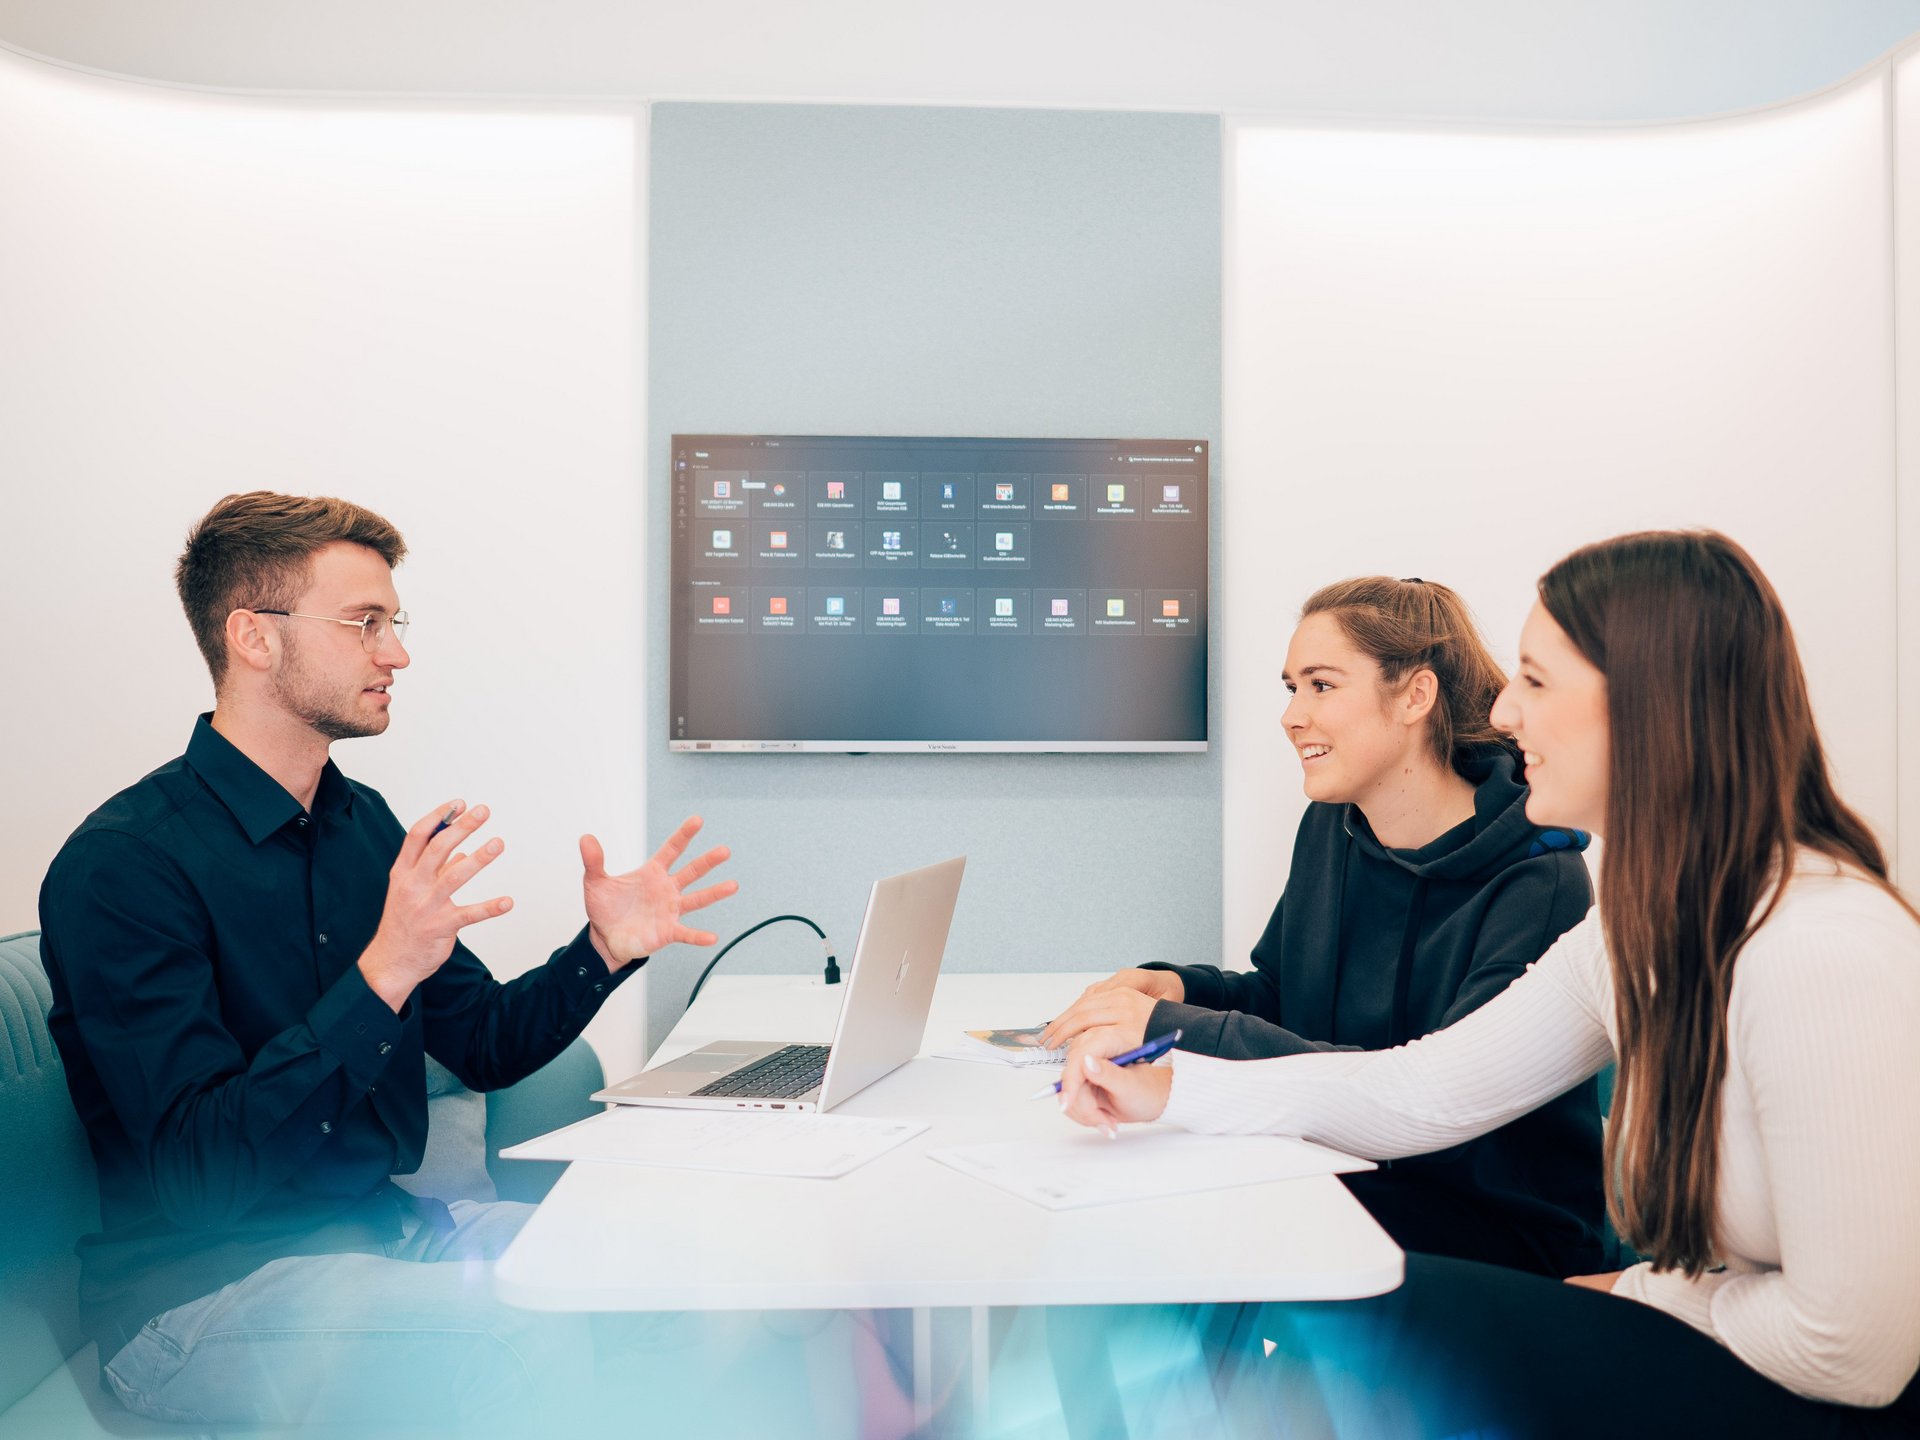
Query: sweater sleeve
{"type": "Point", "coordinates": [1235, 1014]}
{"type": "Point", "coordinates": [1542, 1035]}
{"type": "Point", "coordinates": [1821, 1027]}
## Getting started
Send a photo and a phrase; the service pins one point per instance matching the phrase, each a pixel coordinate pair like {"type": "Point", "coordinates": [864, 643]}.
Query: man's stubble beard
{"type": "Point", "coordinates": [332, 713]}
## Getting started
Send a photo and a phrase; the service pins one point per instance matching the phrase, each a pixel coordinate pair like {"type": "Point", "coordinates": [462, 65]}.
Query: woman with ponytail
{"type": "Point", "coordinates": [1419, 890]}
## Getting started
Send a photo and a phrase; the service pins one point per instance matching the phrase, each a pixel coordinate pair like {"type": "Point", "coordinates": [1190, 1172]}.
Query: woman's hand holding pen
{"type": "Point", "coordinates": [1097, 1093]}
{"type": "Point", "coordinates": [1125, 1000]}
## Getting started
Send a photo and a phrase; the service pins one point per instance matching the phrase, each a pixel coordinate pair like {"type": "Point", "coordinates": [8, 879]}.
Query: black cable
{"type": "Point", "coordinates": [833, 965]}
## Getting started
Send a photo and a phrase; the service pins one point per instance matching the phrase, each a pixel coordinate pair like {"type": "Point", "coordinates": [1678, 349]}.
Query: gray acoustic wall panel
{"type": "Point", "coordinates": [916, 271]}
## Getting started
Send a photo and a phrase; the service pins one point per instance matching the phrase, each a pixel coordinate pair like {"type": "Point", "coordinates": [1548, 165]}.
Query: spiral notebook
{"type": "Point", "coordinates": [1009, 1047]}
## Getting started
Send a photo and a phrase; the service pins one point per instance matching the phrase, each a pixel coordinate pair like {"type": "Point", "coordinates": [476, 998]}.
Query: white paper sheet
{"type": "Point", "coordinates": [1144, 1163]}
{"type": "Point", "coordinates": [819, 1147]}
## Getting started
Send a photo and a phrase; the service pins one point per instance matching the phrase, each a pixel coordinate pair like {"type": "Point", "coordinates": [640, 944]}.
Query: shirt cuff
{"type": "Point", "coordinates": [584, 978]}
{"type": "Point", "coordinates": [356, 1027]}
{"type": "Point", "coordinates": [1673, 1292]}
{"type": "Point", "coordinates": [1202, 983]}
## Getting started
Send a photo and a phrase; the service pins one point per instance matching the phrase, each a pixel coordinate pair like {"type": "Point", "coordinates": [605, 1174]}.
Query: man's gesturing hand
{"type": "Point", "coordinates": [639, 912]}
{"type": "Point", "coordinates": [421, 919]}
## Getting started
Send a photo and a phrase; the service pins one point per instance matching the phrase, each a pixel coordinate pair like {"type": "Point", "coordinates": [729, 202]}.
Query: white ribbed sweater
{"type": "Point", "coordinates": [1818, 1218]}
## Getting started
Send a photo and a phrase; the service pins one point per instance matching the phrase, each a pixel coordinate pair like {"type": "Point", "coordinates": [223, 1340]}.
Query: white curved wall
{"type": "Point", "coordinates": [1577, 60]}
{"type": "Point", "coordinates": [1459, 355]}
{"type": "Point", "coordinates": [432, 311]}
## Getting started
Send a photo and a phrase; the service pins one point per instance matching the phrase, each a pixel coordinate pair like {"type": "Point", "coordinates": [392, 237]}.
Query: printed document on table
{"type": "Point", "coordinates": [1144, 1163]}
{"type": "Point", "coordinates": [819, 1147]}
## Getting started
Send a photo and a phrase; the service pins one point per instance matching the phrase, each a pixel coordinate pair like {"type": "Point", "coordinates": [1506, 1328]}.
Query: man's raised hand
{"type": "Point", "coordinates": [421, 919]}
{"type": "Point", "coordinates": [640, 912]}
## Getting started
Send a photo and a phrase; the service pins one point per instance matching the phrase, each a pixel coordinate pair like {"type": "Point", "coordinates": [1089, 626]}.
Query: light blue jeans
{"type": "Point", "coordinates": [413, 1336]}
{"type": "Point", "coordinates": [406, 1336]}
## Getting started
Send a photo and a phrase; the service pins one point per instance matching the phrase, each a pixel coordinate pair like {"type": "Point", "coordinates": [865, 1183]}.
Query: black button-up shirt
{"type": "Point", "coordinates": [246, 1095]}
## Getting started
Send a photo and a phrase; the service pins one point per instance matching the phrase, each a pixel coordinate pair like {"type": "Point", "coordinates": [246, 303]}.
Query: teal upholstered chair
{"type": "Point", "coordinates": [49, 1198]}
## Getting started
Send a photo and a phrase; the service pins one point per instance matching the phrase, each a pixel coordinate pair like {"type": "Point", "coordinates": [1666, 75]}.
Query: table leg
{"type": "Point", "coordinates": [922, 1367]}
{"type": "Point", "coordinates": [982, 1357]}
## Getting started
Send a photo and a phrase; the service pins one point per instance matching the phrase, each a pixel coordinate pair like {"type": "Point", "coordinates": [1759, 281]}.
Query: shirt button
{"type": "Point", "coordinates": [301, 822]}
{"type": "Point", "coordinates": [323, 937]}
{"type": "Point", "coordinates": [385, 1047]}
{"type": "Point", "coordinates": [581, 972]}
{"type": "Point", "coordinates": [598, 988]}
{"type": "Point", "coordinates": [326, 1127]}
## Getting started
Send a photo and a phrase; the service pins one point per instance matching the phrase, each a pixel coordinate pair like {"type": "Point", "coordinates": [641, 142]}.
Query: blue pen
{"type": "Point", "coordinates": [1152, 1050]}
{"type": "Point", "coordinates": [446, 820]}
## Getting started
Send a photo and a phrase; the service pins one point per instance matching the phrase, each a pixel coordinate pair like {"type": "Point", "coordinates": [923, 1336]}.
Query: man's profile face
{"type": "Point", "coordinates": [325, 676]}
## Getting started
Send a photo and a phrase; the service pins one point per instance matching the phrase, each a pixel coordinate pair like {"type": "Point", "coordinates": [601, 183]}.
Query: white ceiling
{"type": "Point", "coordinates": [1539, 60]}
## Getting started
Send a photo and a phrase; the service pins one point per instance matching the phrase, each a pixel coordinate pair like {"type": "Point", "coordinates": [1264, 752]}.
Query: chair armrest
{"type": "Point", "coordinates": [553, 1096]}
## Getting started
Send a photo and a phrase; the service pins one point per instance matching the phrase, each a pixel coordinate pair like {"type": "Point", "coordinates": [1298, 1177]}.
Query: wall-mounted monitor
{"type": "Point", "coordinates": [862, 593]}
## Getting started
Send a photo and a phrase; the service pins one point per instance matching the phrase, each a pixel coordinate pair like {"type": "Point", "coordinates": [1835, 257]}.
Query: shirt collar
{"type": "Point", "coordinates": [259, 802]}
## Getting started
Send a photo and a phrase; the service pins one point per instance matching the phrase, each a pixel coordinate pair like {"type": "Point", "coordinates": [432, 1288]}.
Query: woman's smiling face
{"type": "Point", "coordinates": [1340, 722]}
{"type": "Point", "coordinates": [1556, 708]}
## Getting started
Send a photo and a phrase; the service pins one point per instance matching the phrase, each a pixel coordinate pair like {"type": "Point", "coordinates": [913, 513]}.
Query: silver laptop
{"type": "Point", "coordinates": [883, 1016]}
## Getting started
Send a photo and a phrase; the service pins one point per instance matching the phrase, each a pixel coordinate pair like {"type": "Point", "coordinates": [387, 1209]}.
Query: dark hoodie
{"type": "Point", "coordinates": [1369, 948]}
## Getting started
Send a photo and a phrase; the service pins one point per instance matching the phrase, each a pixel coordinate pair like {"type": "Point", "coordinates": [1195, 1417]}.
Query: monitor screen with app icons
{"type": "Point", "coordinates": [885, 593]}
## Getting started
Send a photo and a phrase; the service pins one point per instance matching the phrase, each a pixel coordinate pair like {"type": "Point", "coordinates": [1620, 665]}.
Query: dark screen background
{"type": "Point", "coordinates": [1139, 678]}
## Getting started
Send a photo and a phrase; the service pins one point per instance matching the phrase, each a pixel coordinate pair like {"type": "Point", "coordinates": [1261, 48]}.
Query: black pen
{"type": "Point", "coordinates": [1152, 1050]}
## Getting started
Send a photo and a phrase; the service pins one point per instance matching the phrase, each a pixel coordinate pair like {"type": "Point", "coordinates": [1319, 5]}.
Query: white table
{"type": "Point", "coordinates": [906, 1231]}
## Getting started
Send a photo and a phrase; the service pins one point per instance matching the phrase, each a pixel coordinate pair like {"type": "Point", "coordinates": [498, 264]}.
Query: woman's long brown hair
{"type": "Point", "coordinates": [1717, 774]}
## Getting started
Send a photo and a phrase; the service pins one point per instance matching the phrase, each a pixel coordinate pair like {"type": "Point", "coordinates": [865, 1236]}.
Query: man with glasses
{"type": "Point", "coordinates": [251, 958]}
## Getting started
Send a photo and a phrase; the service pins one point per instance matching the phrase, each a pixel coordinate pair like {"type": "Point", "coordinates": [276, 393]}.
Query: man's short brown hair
{"type": "Point", "coordinates": [255, 552]}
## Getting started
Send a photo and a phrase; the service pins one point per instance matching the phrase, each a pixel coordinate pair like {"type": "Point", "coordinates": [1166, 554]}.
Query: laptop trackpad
{"type": "Point", "coordinates": [706, 1062]}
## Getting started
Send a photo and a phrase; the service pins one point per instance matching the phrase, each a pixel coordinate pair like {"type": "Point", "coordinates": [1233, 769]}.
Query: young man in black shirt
{"type": "Point", "coordinates": [250, 958]}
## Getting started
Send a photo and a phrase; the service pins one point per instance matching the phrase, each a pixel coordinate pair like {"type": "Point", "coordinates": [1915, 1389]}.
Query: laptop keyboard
{"type": "Point", "coordinates": [780, 1076]}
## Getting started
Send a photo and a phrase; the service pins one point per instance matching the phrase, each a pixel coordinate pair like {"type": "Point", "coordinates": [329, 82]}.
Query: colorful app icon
{"type": "Point", "coordinates": [1116, 609]}
{"type": "Point", "coordinates": [776, 605]}
{"type": "Point", "coordinates": [889, 539]}
{"type": "Point", "coordinates": [949, 605]}
{"type": "Point", "coordinates": [1170, 609]}
{"type": "Point", "coordinates": [778, 540]}
{"type": "Point", "coordinates": [890, 605]}
{"type": "Point", "coordinates": [1003, 540]}
{"type": "Point", "coordinates": [723, 489]}
{"type": "Point", "coordinates": [1116, 494]}
{"type": "Point", "coordinates": [723, 604]}
{"type": "Point", "coordinates": [889, 489]}
{"type": "Point", "coordinates": [836, 489]}
{"type": "Point", "coordinates": [779, 489]}
{"type": "Point", "coordinates": [1003, 492]}
{"type": "Point", "coordinates": [946, 490]}
{"type": "Point", "coordinates": [1060, 605]}
{"type": "Point", "coordinates": [1062, 493]}
{"type": "Point", "coordinates": [836, 604]}
{"type": "Point", "coordinates": [1169, 494]}
{"type": "Point", "coordinates": [1003, 605]}
{"type": "Point", "coordinates": [836, 539]}
{"type": "Point", "coordinates": [723, 539]}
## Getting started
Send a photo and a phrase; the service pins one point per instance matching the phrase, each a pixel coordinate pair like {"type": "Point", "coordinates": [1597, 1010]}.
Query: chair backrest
{"type": "Point", "coordinates": [49, 1193]}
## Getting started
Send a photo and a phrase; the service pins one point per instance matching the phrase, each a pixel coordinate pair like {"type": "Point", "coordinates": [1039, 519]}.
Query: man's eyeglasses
{"type": "Point", "coordinates": [373, 628]}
